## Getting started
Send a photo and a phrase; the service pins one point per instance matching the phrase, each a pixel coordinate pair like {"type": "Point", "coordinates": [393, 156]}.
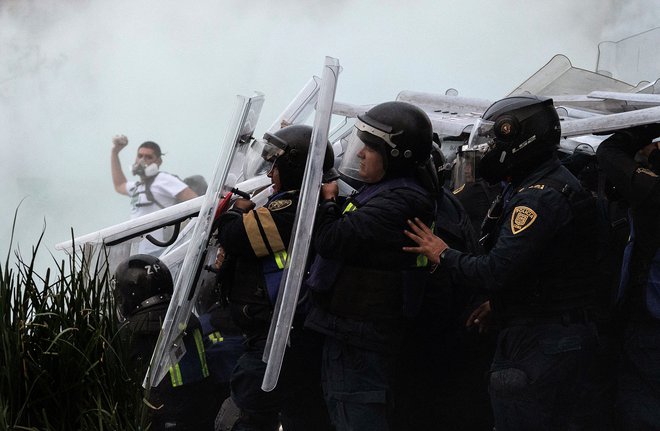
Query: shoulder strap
{"type": "Point", "coordinates": [147, 190]}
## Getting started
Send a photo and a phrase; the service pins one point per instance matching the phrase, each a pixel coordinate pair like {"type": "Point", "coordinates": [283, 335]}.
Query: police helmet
{"type": "Point", "coordinates": [288, 148]}
{"type": "Point", "coordinates": [515, 134]}
{"type": "Point", "coordinates": [401, 133]}
{"type": "Point", "coordinates": [141, 281]}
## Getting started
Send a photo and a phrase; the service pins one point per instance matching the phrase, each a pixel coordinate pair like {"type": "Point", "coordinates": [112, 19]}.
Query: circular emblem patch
{"type": "Point", "coordinates": [279, 204]}
{"type": "Point", "coordinates": [521, 219]}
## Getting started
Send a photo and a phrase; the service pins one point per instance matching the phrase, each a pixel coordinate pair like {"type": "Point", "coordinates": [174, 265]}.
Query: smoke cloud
{"type": "Point", "coordinates": [73, 73]}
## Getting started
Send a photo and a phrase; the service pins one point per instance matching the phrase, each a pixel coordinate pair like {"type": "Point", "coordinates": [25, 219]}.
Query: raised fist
{"type": "Point", "coordinates": [119, 141]}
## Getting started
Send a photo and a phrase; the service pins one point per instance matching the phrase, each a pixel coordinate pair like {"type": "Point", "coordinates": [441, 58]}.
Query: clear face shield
{"type": "Point", "coordinates": [481, 139]}
{"type": "Point", "coordinates": [261, 155]}
{"type": "Point", "coordinates": [350, 162]}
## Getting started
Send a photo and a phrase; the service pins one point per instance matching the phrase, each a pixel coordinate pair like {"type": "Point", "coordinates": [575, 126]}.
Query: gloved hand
{"type": "Point", "coordinates": [243, 205]}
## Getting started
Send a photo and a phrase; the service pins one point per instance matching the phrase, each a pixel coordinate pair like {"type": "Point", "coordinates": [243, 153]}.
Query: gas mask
{"type": "Point", "coordinates": [145, 170]}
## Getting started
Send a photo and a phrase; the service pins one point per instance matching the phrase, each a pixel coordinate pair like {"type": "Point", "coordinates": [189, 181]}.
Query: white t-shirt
{"type": "Point", "coordinates": [164, 189]}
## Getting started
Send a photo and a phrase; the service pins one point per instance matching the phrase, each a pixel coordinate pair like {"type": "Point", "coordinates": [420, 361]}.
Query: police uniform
{"type": "Point", "coordinates": [255, 244]}
{"type": "Point", "coordinates": [187, 387]}
{"type": "Point", "coordinates": [638, 397]}
{"type": "Point", "coordinates": [364, 285]}
{"type": "Point", "coordinates": [440, 384]}
{"type": "Point", "coordinates": [540, 271]}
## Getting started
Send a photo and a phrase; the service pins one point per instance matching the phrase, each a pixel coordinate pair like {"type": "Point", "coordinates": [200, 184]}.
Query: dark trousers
{"type": "Point", "coordinates": [551, 376]}
{"type": "Point", "coordinates": [296, 402]}
{"type": "Point", "coordinates": [357, 386]}
{"type": "Point", "coordinates": [638, 396]}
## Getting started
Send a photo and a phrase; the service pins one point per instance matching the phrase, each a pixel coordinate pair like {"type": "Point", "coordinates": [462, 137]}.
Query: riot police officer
{"type": "Point", "coordinates": [255, 242]}
{"type": "Point", "coordinates": [539, 270]}
{"type": "Point", "coordinates": [363, 283]}
{"type": "Point", "coordinates": [185, 399]}
{"type": "Point", "coordinates": [638, 394]}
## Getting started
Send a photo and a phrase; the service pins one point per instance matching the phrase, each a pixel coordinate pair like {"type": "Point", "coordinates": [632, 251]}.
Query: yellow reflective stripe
{"type": "Point", "coordinates": [270, 229]}
{"type": "Point", "coordinates": [199, 342]}
{"type": "Point", "coordinates": [280, 259]}
{"type": "Point", "coordinates": [260, 244]}
{"type": "Point", "coordinates": [175, 375]}
{"type": "Point", "coordinates": [254, 234]}
{"type": "Point", "coordinates": [350, 207]}
{"type": "Point", "coordinates": [216, 337]}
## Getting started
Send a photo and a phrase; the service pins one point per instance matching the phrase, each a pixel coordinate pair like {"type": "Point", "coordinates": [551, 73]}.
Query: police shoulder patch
{"type": "Point", "coordinates": [646, 171]}
{"type": "Point", "coordinates": [522, 218]}
{"type": "Point", "coordinates": [279, 204]}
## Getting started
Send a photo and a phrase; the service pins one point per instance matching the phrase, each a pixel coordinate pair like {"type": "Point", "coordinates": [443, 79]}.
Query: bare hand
{"type": "Point", "coordinates": [244, 205]}
{"type": "Point", "coordinates": [219, 258]}
{"type": "Point", "coordinates": [119, 142]}
{"type": "Point", "coordinates": [329, 191]}
{"type": "Point", "coordinates": [429, 245]}
{"type": "Point", "coordinates": [481, 317]}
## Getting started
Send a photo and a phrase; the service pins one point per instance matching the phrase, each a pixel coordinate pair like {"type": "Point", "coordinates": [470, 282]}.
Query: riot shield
{"type": "Point", "coordinates": [300, 107]}
{"type": "Point", "coordinates": [169, 347]}
{"type": "Point", "coordinates": [632, 59]}
{"type": "Point", "coordinates": [302, 229]}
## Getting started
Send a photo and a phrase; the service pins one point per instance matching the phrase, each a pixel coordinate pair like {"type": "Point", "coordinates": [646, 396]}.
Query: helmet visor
{"type": "Point", "coordinates": [482, 136]}
{"type": "Point", "coordinates": [466, 165]}
{"type": "Point", "coordinates": [259, 158]}
{"type": "Point", "coordinates": [350, 163]}
{"type": "Point", "coordinates": [385, 135]}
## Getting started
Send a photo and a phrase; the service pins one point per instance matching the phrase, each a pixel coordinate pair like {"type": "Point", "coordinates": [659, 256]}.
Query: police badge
{"type": "Point", "coordinates": [521, 219]}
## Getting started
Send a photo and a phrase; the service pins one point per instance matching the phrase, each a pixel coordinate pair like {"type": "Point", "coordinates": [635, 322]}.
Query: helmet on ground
{"type": "Point", "coordinates": [141, 281]}
{"type": "Point", "coordinates": [515, 135]}
{"type": "Point", "coordinates": [401, 132]}
{"type": "Point", "coordinates": [287, 149]}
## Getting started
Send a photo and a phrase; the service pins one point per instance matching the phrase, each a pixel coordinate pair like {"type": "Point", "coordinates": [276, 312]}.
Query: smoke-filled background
{"type": "Point", "coordinates": [73, 73]}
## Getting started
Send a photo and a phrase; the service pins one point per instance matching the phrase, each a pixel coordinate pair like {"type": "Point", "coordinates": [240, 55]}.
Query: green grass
{"type": "Point", "coordinates": [61, 365]}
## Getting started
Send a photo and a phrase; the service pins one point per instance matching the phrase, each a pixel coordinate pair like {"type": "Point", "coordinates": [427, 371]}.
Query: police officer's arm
{"type": "Point", "coordinates": [616, 156]}
{"type": "Point", "coordinates": [530, 225]}
{"type": "Point", "coordinates": [378, 223]}
{"type": "Point", "coordinates": [118, 178]}
{"type": "Point", "coordinates": [531, 222]}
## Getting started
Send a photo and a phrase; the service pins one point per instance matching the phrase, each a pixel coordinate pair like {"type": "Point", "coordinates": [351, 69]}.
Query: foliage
{"type": "Point", "coordinates": [60, 362]}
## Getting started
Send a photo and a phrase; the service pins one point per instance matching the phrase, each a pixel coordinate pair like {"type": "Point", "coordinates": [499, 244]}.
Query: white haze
{"type": "Point", "coordinates": [74, 73]}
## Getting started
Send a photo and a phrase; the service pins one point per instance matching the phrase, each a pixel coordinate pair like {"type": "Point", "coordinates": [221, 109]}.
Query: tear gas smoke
{"type": "Point", "coordinates": [76, 72]}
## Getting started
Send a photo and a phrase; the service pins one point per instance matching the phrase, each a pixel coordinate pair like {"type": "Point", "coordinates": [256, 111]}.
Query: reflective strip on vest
{"type": "Point", "coordinates": [262, 232]}
{"type": "Point", "coordinates": [175, 375]}
{"type": "Point", "coordinates": [216, 337]}
{"type": "Point", "coordinates": [199, 342]}
{"type": "Point", "coordinates": [350, 207]}
{"type": "Point", "coordinates": [280, 258]}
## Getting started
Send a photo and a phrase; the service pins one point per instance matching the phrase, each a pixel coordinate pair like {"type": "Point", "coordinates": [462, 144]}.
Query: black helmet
{"type": "Point", "coordinates": [141, 281]}
{"type": "Point", "coordinates": [516, 135]}
{"type": "Point", "coordinates": [288, 148]}
{"type": "Point", "coordinates": [401, 132]}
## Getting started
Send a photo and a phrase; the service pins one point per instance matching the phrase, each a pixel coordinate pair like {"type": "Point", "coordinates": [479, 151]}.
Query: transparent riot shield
{"type": "Point", "coordinates": [558, 77]}
{"type": "Point", "coordinates": [302, 229]}
{"type": "Point", "coordinates": [300, 107]}
{"type": "Point", "coordinates": [169, 347]}
{"type": "Point", "coordinates": [632, 59]}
